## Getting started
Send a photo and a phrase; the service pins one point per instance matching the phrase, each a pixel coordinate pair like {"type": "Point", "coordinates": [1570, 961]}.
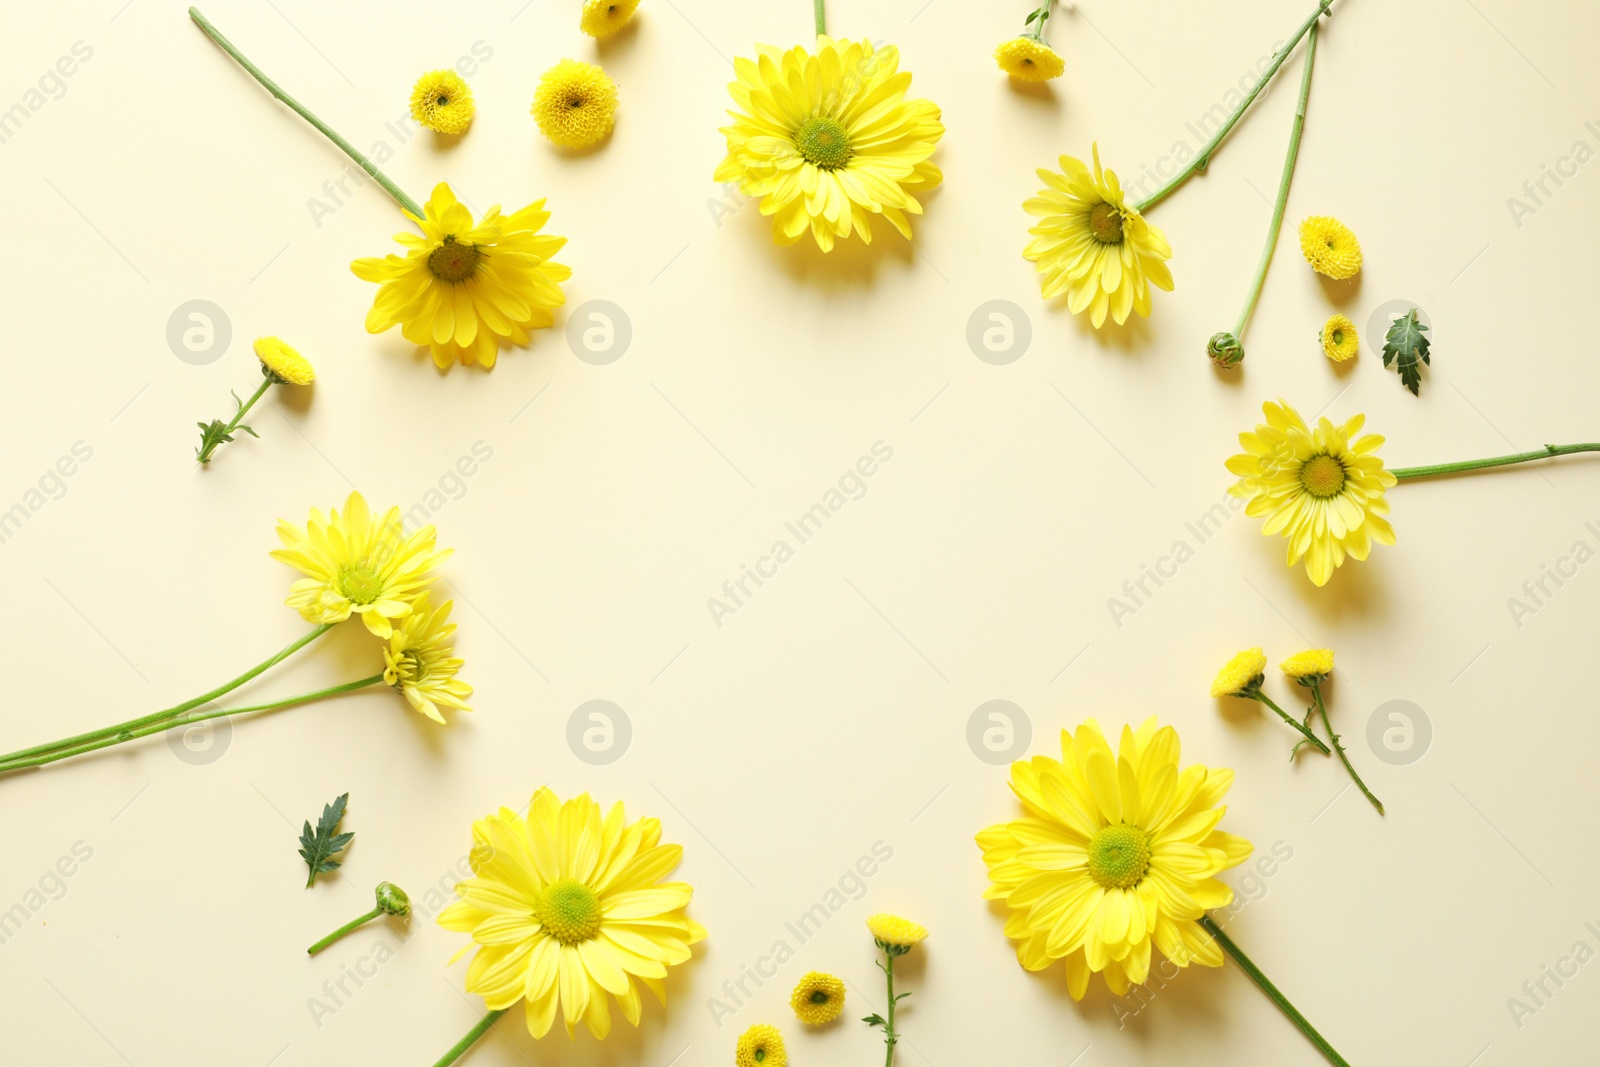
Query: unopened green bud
{"type": "Point", "coordinates": [1225, 350]}
{"type": "Point", "coordinates": [393, 899]}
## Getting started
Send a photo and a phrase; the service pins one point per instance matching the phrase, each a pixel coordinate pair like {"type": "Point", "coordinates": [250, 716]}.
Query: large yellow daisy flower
{"type": "Point", "coordinates": [421, 663]}
{"type": "Point", "coordinates": [1322, 489]}
{"type": "Point", "coordinates": [355, 564]}
{"type": "Point", "coordinates": [566, 907]}
{"type": "Point", "coordinates": [1116, 855]}
{"type": "Point", "coordinates": [828, 141]}
{"type": "Point", "coordinates": [462, 288]}
{"type": "Point", "coordinates": [1094, 246]}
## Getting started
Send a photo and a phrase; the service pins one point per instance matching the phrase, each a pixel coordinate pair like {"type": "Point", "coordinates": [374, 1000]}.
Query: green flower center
{"type": "Point", "coordinates": [819, 997]}
{"type": "Point", "coordinates": [1322, 476]}
{"type": "Point", "coordinates": [1119, 856]}
{"type": "Point", "coordinates": [569, 911]}
{"type": "Point", "coordinates": [454, 261]}
{"type": "Point", "coordinates": [1105, 223]}
{"type": "Point", "coordinates": [823, 142]}
{"type": "Point", "coordinates": [1338, 337]}
{"type": "Point", "coordinates": [359, 585]}
{"type": "Point", "coordinates": [761, 1055]}
{"type": "Point", "coordinates": [443, 101]}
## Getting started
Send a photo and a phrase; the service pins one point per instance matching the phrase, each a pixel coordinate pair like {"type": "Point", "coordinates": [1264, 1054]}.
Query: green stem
{"type": "Point", "coordinates": [1266, 986]}
{"type": "Point", "coordinates": [345, 929]}
{"type": "Point", "coordinates": [1286, 717]}
{"type": "Point", "coordinates": [890, 1037]}
{"type": "Point", "coordinates": [1203, 160]}
{"type": "Point", "coordinates": [1547, 452]}
{"type": "Point", "coordinates": [8, 766]}
{"type": "Point", "coordinates": [205, 455]}
{"type": "Point", "coordinates": [327, 131]}
{"type": "Point", "coordinates": [167, 713]}
{"type": "Point", "coordinates": [1037, 32]}
{"type": "Point", "coordinates": [1283, 189]}
{"type": "Point", "coordinates": [470, 1039]}
{"type": "Point", "coordinates": [822, 16]}
{"type": "Point", "coordinates": [1322, 710]}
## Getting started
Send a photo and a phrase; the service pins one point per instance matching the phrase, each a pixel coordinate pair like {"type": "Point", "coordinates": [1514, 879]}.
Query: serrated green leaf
{"type": "Point", "coordinates": [318, 847]}
{"type": "Point", "coordinates": [875, 1020]}
{"type": "Point", "coordinates": [1405, 348]}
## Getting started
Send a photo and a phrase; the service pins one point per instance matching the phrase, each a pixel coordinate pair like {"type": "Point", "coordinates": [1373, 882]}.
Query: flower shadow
{"type": "Point", "coordinates": [1342, 294]}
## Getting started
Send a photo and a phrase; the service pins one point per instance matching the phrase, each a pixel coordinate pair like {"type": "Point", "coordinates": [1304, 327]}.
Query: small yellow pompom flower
{"type": "Point", "coordinates": [280, 362]}
{"type": "Point", "coordinates": [575, 104]}
{"type": "Point", "coordinates": [1330, 247]}
{"type": "Point", "coordinates": [818, 999]}
{"type": "Point", "coordinates": [442, 102]}
{"type": "Point", "coordinates": [1240, 673]}
{"type": "Point", "coordinates": [896, 932]}
{"type": "Point", "coordinates": [761, 1046]}
{"type": "Point", "coordinates": [1339, 339]}
{"type": "Point", "coordinates": [1309, 667]}
{"type": "Point", "coordinates": [1028, 60]}
{"type": "Point", "coordinates": [602, 18]}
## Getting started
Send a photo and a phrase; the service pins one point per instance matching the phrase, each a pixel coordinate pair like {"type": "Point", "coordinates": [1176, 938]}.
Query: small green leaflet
{"type": "Point", "coordinates": [874, 1020]}
{"type": "Point", "coordinates": [1405, 348]}
{"type": "Point", "coordinates": [317, 848]}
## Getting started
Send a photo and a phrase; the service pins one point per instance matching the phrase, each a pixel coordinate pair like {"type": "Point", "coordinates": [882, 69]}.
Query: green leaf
{"type": "Point", "coordinates": [318, 847]}
{"type": "Point", "coordinates": [1406, 349]}
{"type": "Point", "coordinates": [875, 1020]}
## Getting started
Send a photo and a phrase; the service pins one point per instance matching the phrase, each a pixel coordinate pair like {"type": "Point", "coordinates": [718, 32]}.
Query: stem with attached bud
{"type": "Point", "coordinates": [300, 109]}
{"type": "Point", "coordinates": [213, 441]}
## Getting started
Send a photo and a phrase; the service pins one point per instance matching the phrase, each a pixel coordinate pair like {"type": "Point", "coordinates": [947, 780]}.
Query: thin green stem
{"type": "Point", "coordinates": [1283, 189]}
{"type": "Point", "coordinates": [1322, 710]}
{"type": "Point", "coordinates": [1203, 160]}
{"type": "Point", "coordinates": [1286, 717]}
{"type": "Point", "coordinates": [133, 724]}
{"type": "Point", "coordinates": [204, 456]}
{"type": "Point", "coordinates": [327, 131]}
{"type": "Point", "coordinates": [172, 723]}
{"type": "Point", "coordinates": [1547, 452]}
{"type": "Point", "coordinates": [1266, 986]}
{"type": "Point", "coordinates": [1037, 30]}
{"type": "Point", "coordinates": [889, 1036]}
{"type": "Point", "coordinates": [822, 16]}
{"type": "Point", "coordinates": [470, 1039]}
{"type": "Point", "coordinates": [345, 929]}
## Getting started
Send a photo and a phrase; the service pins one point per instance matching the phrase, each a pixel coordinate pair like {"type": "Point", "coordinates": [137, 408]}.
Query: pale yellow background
{"type": "Point", "coordinates": [830, 712]}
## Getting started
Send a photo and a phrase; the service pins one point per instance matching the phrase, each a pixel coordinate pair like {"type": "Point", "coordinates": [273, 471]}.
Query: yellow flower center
{"type": "Point", "coordinates": [1119, 856]}
{"type": "Point", "coordinates": [823, 142]}
{"type": "Point", "coordinates": [454, 261]}
{"type": "Point", "coordinates": [1105, 223]}
{"type": "Point", "coordinates": [569, 911]}
{"type": "Point", "coordinates": [359, 585]}
{"type": "Point", "coordinates": [1322, 476]}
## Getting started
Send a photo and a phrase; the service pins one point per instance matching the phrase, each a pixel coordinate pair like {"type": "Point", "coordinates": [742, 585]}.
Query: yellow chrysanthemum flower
{"type": "Point", "coordinates": [828, 141]}
{"type": "Point", "coordinates": [818, 999]}
{"type": "Point", "coordinates": [575, 104]}
{"type": "Point", "coordinates": [1313, 663]}
{"type": "Point", "coordinates": [567, 907]}
{"type": "Point", "coordinates": [1094, 246]}
{"type": "Point", "coordinates": [1339, 339]}
{"type": "Point", "coordinates": [602, 18]}
{"type": "Point", "coordinates": [1240, 673]}
{"type": "Point", "coordinates": [463, 288]}
{"type": "Point", "coordinates": [896, 932]}
{"type": "Point", "coordinates": [282, 363]}
{"type": "Point", "coordinates": [1322, 489]}
{"type": "Point", "coordinates": [1028, 60]}
{"type": "Point", "coordinates": [1116, 855]}
{"type": "Point", "coordinates": [761, 1046]}
{"type": "Point", "coordinates": [355, 564]}
{"type": "Point", "coordinates": [421, 663]}
{"type": "Point", "coordinates": [442, 102]}
{"type": "Point", "coordinates": [1330, 247]}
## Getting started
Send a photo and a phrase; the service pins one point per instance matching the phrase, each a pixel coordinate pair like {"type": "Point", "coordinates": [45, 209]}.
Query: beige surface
{"type": "Point", "coordinates": [829, 712]}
